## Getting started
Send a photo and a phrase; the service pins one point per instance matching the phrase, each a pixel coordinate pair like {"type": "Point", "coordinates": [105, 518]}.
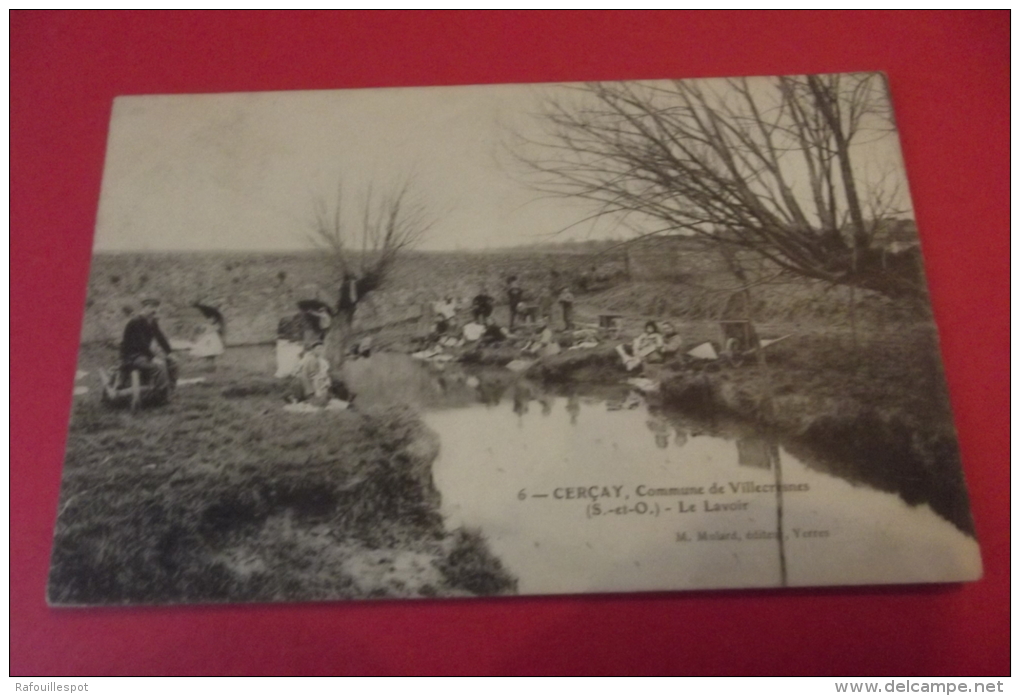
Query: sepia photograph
{"type": "Point", "coordinates": [507, 340]}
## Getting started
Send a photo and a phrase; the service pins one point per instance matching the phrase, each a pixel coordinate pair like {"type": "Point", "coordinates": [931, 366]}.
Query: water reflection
{"type": "Point", "coordinates": [660, 432]}
{"type": "Point", "coordinates": [775, 462]}
{"type": "Point", "coordinates": [573, 408]}
{"type": "Point", "coordinates": [570, 533]}
{"type": "Point", "coordinates": [679, 435]}
{"type": "Point", "coordinates": [541, 484]}
{"type": "Point", "coordinates": [753, 451]}
{"type": "Point", "coordinates": [490, 392]}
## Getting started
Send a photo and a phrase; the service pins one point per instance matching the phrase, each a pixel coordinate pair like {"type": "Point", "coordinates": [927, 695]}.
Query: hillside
{"type": "Point", "coordinates": [255, 290]}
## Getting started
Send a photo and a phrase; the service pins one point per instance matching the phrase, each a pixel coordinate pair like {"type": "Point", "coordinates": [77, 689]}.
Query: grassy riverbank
{"type": "Point", "coordinates": [222, 496]}
{"type": "Point", "coordinates": [873, 412]}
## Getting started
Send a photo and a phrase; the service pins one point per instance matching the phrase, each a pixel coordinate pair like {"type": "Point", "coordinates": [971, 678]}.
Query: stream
{"type": "Point", "coordinates": [599, 491]}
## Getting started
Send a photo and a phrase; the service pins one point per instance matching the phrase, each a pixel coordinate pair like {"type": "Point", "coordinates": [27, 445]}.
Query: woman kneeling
{"type": "Point", "coordinates": [646, 347]}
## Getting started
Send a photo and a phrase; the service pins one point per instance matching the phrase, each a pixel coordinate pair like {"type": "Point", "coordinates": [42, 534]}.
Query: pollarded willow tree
{"type": "Point", "coordinates": [782, 167]}
{"type": "Point", "coordinates": [363, 242]}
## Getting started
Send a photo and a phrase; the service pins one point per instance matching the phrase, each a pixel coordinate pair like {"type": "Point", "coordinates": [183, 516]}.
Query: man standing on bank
{"type": "Point", "coordinates": [136, 349]}
{"type": "Point", "coordinates": [514, 295]}
{"type": "Point", "coordinates": [481, 306]}
{"type": "Point", "coordinates": [566, 299]}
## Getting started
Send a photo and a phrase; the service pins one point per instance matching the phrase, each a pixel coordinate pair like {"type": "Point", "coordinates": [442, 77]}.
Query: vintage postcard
{"type": "Point", "coordinates": [498, 340]}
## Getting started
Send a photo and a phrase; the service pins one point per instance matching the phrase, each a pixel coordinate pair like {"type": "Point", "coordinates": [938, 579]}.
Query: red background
{"type": "Point", "coordinates": [949, 75]}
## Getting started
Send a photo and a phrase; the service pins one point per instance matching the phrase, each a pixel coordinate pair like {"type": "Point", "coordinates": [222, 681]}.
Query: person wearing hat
{"type": "Point", "coordinates": [317, 323]}
{"type": "Point", "coordinates": [481, 306]}
{"type": "Point", "coordinates": [515, 296]}
{"type": "Point", "coordinates": [136, 349]}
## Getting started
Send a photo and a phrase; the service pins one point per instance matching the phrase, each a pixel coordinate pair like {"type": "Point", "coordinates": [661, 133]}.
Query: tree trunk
{"type": "Point", "coordinates": [854, 348]}
{"type": "Point", "coordinates": [338, 338]}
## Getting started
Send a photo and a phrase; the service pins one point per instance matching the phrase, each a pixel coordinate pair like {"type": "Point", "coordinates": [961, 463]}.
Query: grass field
{"type": "Point", "coordinates": [222, 496]}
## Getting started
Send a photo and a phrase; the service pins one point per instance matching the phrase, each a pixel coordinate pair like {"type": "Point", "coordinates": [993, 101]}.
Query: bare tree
{"type": "Point", "coordinates": [364, 241]}
{"type": "Point", "coordinates": [764, 164]}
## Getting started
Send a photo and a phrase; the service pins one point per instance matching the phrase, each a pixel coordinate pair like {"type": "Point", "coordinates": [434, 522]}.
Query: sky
{"type": "Point", "coordinates": [245, 171]}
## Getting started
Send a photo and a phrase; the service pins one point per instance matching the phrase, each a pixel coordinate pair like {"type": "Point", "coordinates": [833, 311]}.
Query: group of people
{"type": "Point", "coordinates": [541, 308]}
{"type": "Point", "coordinates": [523, 307]}
{"type": "Point", "coordinates": [656, 343]}
{"type": "Point", "coordinates": [143, 337]}
{"type": "Point", "coordinates": [158, 372]}
{"type": "Point", "coordinates": [136, 353]}
{"type": "Point", "coordinates": [303, 335]}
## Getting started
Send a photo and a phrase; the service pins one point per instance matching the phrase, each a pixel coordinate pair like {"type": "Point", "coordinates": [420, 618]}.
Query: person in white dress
{"type": "Point", "coordinates": [209, 344]}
